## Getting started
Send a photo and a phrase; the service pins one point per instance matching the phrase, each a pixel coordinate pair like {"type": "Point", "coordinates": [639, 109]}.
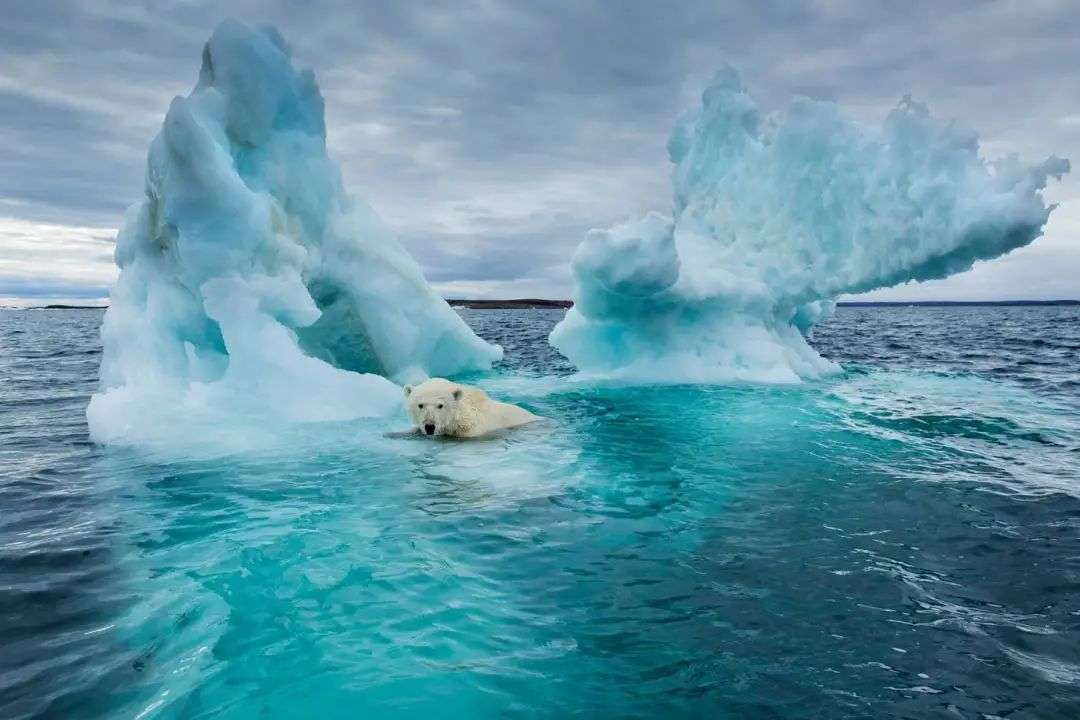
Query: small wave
{"type": "Point", "coordinates": [1052, 669]}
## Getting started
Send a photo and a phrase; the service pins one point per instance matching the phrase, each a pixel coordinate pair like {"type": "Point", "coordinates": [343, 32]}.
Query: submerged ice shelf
{"type": "Point", "coordinates": [249, 279]}
{"type": "Point", "coordinates": [774, 217]}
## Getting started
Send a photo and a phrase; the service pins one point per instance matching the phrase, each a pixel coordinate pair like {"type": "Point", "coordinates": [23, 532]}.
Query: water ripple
{"type": "Point", "coordinates": [901, 541]}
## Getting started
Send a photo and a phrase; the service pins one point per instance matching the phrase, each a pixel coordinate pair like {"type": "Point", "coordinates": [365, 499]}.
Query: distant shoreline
{"type": "Point", "coordinates": [57, 307]}
{"type": "Point", "coordinates": [518, 304]}
{"type": "Point", "coordinates": [535, 303]}
{"type": "Point", "coordinates": [957, 303]}
{"type": "Point", "coordinates": [542, 304]}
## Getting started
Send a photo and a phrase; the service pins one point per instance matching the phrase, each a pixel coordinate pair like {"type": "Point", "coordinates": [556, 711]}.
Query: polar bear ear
{"type": "Point", "coordinates": [408, 390]}
{"type": "Point", "coordinates": [457, 393]}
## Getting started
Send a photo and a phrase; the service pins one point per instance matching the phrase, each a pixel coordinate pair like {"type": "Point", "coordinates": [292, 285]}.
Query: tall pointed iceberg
{"type": "Point", "coordinates": [774, 217]}
{"type": "Point", "coordinates": [249, 277]}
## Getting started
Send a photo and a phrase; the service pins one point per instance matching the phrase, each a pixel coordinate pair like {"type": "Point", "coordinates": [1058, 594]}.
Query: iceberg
{"type": "Point", "coordinates": [249, 279]}
{"type": "Point", "coordinates": [776, 216]}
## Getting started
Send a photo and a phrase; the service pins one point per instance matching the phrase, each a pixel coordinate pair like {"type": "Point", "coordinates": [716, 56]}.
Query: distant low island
{"type": "Point", "coordinates": [516, 304]}
{"type": "Point", "coordinates": [57, 306]}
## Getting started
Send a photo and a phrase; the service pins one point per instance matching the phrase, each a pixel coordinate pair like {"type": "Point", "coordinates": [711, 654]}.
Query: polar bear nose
{"type": "Point", "coordinates": [430, 428]}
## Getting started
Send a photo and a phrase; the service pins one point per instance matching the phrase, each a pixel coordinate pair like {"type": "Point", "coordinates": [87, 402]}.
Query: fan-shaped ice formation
{"type": "Point", "coordinates": [248, 277]}
{"type": "Point", "coordinates": [773, 219]}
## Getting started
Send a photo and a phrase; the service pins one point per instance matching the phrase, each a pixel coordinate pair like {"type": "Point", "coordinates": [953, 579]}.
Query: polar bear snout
{"type": "Point", "coordinates": [432, 406]}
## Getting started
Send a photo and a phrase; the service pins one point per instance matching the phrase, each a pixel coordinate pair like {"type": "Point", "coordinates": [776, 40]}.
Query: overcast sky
{"type": "Point", "coordinates": [491, 135]}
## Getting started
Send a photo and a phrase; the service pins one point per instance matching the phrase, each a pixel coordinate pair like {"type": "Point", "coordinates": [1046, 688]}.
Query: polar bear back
{"type": "Point", "coordinates": [481, 414]}
{"type": "Point", "coordinates": [494, 415]}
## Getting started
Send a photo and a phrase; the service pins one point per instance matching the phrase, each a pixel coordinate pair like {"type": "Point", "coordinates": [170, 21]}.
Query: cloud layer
{"type": "Point", "coordinates": [491, 135]}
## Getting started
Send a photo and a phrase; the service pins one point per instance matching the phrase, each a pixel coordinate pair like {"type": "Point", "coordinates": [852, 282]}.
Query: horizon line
{"type": "Point", "coordinates": [539, 303]}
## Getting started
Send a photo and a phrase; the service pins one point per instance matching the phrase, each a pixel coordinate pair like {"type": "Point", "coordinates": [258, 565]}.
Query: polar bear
{"type": "Point", "coordinates": [441, 407]}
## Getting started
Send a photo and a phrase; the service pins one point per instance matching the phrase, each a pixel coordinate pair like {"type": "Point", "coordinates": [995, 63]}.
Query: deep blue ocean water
{"type": "Point", "coordinates": [902, 541]}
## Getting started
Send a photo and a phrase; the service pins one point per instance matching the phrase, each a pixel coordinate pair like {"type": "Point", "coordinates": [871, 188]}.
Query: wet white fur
{"type": "Point", "coordinates": [460, 410]}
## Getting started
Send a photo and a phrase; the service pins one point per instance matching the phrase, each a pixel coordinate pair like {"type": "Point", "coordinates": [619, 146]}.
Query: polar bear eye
{"type": "Point", "coordinates": [421, 406]}
{"type": "Point", "coordinates": [439, 406]}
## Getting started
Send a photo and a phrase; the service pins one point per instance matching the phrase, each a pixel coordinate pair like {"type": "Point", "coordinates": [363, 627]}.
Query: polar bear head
{"type": "Point", "coordinates": [434, 406]}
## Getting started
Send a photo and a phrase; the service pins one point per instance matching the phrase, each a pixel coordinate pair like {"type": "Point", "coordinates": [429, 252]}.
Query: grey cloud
{"type": "Point", "coordinates": [497, 255]}
{"type": "Point", "coordinates": [492, 133]}
{"type": "Point", "coordinates": [16, 287]}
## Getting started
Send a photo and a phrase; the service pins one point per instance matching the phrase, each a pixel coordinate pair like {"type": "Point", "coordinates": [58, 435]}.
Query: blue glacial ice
{"type": "Point", "coordinates": [249, 279]}
{"type": "Point", "coordinates": [776, 216]}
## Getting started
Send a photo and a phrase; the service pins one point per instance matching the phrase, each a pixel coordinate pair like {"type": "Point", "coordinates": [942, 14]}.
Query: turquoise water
{"type": "Point", "coordinates": [902, 541]}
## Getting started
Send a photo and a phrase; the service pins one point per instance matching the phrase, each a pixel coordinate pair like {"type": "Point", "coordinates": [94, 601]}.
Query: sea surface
{"type": "Point", "coordinates": [901, 541]}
